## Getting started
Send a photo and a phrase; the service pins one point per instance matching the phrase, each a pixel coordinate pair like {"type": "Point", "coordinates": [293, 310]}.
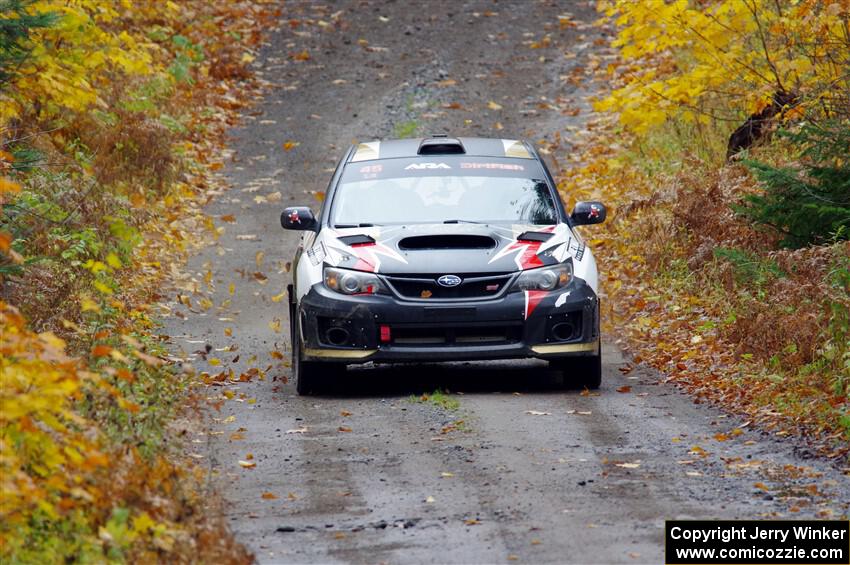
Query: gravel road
{"type": "Point", "coordinates": [510, 467]}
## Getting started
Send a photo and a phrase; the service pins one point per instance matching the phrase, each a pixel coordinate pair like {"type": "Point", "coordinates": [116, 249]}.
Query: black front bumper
{"type": "Point", "coordinates": [340, 328]}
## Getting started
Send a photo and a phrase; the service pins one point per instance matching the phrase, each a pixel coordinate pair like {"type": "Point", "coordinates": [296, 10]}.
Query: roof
{"type": "Point", "coordinates": [471, 146]}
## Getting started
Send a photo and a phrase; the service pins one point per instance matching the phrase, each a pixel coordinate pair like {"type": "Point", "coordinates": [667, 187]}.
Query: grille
{"type": "Point", "coordinates": [473, 286]}
{"type": "Point", "coordinates": [456, 335]}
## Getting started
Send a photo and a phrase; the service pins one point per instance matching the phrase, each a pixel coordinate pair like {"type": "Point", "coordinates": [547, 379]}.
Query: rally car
{"type": "Point", "coordinates": [442, 249]}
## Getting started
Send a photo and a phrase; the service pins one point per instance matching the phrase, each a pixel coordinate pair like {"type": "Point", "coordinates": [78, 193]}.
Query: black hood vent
{"type": "Point", "coordinates": [447, 241]}
{"type": "Point", "coordinates": [358, 239]}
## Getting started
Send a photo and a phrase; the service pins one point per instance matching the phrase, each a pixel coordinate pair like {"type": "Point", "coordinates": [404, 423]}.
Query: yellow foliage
{"type": "Point", "coordinates": [71, 59]}
{"type": "Point", "coordinates": [47, 451]}
{"type": "Point", "coordinates": [724, 58]}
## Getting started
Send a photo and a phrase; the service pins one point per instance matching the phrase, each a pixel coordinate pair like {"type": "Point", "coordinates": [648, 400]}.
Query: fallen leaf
{"type": "Point", "coordinates": [269, 496]}
{"type": "Point", "coordinates": [624, 389]}
{"type": "Point", "coordinates": [344, 413]}
{"type": "Point", "coordinates": [493, 105]}
{"type": "Point", "coordinates": [343, 429]}
{"type": "Point", "coordinates": [247, 464]}
{"type": "Point", "coordinates": [301, 430]}
{"type": "Point", "coordinates": [634, 465]}
{"type": "Point", "coordinates": [536, 413]}
{"type": "Point", "coordinates": [290, 145]}
{"type": "Point", "coordinates": [762, 486]}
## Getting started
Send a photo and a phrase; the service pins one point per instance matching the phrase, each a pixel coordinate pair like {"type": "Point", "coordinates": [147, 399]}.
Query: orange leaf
{"type": "Point", "coordinates": [7, 185]}
{"type": "Point", "coordinates": [101, 350]}
{"type": "Point", "coordinates": [269, 495]}
{"type": "Point", "coordinates": [624, 388]}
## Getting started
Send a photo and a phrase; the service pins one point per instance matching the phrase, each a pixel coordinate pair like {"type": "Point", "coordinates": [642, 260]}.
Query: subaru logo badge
{"type": "Point", "coordinates": [449, 280]}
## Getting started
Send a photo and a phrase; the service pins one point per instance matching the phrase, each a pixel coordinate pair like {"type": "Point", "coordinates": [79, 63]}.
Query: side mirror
{"type": "Point", "coordinates": [298, 218]}
{"type": "Point", "coordinates": [586, 213]}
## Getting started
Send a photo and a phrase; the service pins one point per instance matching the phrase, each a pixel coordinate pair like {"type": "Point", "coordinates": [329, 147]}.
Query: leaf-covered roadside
{"type": "Point", "coordinates": [112, 117]}
{"type": "Point", "coordinates": [700, 281]}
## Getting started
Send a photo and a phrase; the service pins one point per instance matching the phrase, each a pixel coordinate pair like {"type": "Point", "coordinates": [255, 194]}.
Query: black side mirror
{"type": "Point", "coordinates": [590, 212]}
{"type": "Point", "coordinates": [298, 218]}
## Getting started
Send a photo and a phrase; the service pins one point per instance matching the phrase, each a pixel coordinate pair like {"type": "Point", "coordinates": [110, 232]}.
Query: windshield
{"type": "Point", "coordinates": [438, 199]}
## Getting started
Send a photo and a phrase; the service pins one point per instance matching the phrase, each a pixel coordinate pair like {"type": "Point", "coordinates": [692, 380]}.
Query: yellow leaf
{"type": "Point", "coordinates": [113, 261]}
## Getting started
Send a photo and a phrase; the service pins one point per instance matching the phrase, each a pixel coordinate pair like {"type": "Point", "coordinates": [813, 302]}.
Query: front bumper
{"type": "Point", "coordinates": [360, 329]}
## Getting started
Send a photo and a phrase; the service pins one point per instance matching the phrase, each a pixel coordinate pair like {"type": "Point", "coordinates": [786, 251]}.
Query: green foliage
{"type": "Point", "coordinates": [438, 398]}
{"type": "Point", "coordinates": [16, 25]}
{"type": "Point", "coordinates": [407, 129]}
{"type": "Point", "coordinates": [748, 268]}
{"type": "Point", "coordinates": [809, 203]}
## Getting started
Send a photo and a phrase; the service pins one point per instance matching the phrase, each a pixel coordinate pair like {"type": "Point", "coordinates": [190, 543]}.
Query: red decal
{"type": "Point", "coordinates": [363, 265]}
{"type": "Point", "coordinates": [501, 166]}
{"type": "Point", "coordinates": [294, 218]}
{"type": "Point", "coordinates": [529, 259]}
{"type": "Point", "coordinates": [594, 211]}
{"type": "Point", "coordinates": [532, 299]}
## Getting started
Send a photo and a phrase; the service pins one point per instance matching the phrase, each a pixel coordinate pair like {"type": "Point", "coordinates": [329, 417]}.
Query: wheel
{"type": "Point", "coordinates": [582, 372]}
{"type": "Point", "coordinates": [310, 377]}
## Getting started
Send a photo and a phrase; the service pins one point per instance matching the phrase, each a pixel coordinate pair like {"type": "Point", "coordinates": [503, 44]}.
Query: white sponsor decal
{"type": "Point", "coordinates": [421, 166]}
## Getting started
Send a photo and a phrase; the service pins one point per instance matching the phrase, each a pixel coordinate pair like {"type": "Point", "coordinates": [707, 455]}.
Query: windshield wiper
{"type": "Point", "coordinates": [462, 222]}
{"type": "Point", "coordinates": [361, 225]}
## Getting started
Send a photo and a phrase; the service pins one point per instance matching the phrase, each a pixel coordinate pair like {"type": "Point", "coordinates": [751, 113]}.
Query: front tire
{"type": "Point", "coordinates": [582, 372]}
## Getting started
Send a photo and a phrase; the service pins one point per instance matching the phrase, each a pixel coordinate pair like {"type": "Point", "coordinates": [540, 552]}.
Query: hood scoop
{"type": "Point", "coordinates": [534, 236]}
{"type": "Point", "coordinates": [446, 241]}
{"type": "Point", "coordinates": [359, 239]}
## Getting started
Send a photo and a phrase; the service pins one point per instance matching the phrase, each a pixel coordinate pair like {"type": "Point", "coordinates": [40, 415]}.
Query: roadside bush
{"type": "Point", "coordinates": [108, 123]}
{"type": "Point", "coordinates": [808, 203]}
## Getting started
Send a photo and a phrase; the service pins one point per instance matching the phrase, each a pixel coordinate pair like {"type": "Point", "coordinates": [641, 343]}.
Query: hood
{"type": "Point", "coordinates": [447, 248]}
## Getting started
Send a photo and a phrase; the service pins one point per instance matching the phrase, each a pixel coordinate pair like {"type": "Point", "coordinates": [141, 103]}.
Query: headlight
{"type": "Point", "coordinates": [545, 278]}
{"type": "Point", "coordinates": [345, 281]}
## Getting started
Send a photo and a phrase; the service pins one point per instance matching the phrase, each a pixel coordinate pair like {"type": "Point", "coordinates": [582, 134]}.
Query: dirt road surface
{"type": "Point", "coordinates": [518, 471]}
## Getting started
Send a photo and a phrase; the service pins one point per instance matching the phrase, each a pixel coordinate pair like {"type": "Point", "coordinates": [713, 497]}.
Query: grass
{"type": "Point", "coordinates": [437, 398]}
{"type": "Point", "coordinates": [406, 129]}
